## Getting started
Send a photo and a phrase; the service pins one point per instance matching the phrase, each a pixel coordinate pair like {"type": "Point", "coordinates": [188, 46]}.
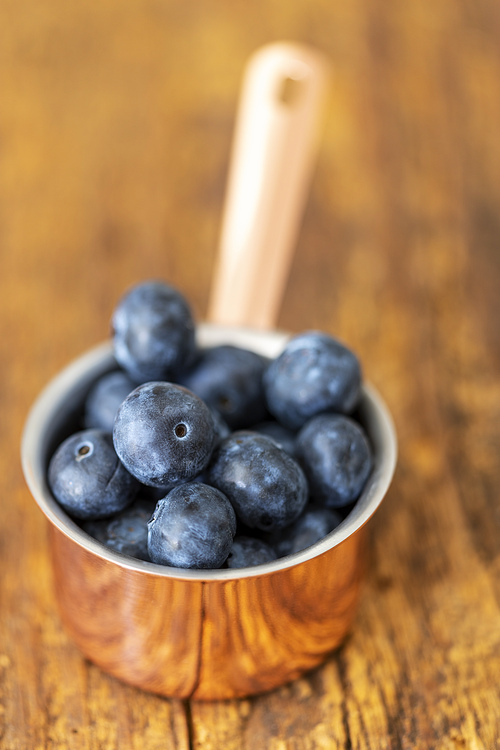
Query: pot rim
{"type": "Point", "coordinates": [47, 407]}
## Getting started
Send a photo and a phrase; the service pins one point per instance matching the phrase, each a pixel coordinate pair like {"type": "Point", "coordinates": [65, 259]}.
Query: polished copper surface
{"type": "Point", "coordinates": [206, 639]}
{"type": "Point", "coordinates": [258, 633]}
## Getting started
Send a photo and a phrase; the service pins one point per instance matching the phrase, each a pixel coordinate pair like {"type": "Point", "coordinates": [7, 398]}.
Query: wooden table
{"type": "Point", "coordinates": [115, 130]}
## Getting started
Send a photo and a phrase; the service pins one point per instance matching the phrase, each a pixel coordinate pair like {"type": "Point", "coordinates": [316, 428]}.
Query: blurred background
{"type": "Point", "coordinates": [116, 125]}
{"type": "Point", "coordinates": [115, 131]}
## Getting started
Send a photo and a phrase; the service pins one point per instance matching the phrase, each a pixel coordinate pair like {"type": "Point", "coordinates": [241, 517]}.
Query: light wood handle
{"type": "Point", "coordinates": [272, 158]}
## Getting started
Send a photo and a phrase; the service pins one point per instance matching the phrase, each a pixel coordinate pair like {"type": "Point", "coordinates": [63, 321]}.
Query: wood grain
{"type": "Point", "coordinates": [115, 133]}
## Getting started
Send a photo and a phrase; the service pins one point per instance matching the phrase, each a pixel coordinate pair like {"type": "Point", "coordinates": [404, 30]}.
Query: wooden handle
{"type": "Point", "coordinates": [273, 154]}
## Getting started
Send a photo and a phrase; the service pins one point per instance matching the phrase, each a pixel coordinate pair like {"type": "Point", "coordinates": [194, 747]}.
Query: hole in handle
{"type": "Point", "coordinates": [290, 90]}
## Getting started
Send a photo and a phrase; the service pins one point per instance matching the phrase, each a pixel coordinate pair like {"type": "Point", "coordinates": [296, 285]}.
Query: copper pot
{"type": "Point", "coordinates": [201, 634]}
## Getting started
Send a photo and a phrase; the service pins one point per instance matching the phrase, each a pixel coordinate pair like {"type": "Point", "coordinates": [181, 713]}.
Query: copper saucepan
{"type": "Point", "coordinates": [220, 633]}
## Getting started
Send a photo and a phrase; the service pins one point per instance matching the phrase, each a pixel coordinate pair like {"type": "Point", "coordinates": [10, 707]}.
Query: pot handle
{"type": "Point", "coordinates": [273, 154]}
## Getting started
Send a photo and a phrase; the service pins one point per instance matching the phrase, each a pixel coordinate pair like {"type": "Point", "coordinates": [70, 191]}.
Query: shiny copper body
{"type": "Point", "coordinates": [201, 634]}
{"type": "Point", "coordinates": [207, 640]}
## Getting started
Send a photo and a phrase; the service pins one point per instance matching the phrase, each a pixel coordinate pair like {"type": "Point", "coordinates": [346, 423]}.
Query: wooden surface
{"type": "Point", "coordinates": [115, 129]}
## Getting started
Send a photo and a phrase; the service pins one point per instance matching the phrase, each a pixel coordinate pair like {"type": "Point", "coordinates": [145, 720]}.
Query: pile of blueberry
{"type": "Point", "coordinates": [212, 457]}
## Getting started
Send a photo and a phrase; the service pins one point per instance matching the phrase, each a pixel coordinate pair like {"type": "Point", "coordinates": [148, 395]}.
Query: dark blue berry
{"type": "Point", "coordinates": [336, 456]}
{"type": "Point", "coordinates": [314, 374]}
{"type": "Point", "coordinates": [127, 532]}
{"type": "Point", "coordinates": [104, 399]}
{"type": "Point", "coordinates": [222, 429]}
{"type": "Point", "coordinates": [229, 379]}
{"type": "Point", "coordinates": [248, 551]}
{"type": "Point", "coordinates": [314, 524]}
{"type": "Point", "coordinates": [153, 332]}
{"type": "Point", "coordinates": [284, 437]}
{"type": "Point", "coordinates": [266, 487]}
{"type": "Point", "coordinates": [87, 478]}
{"type": "Point", "coordinates": [192, 527]}
{"type": "Point", "coordinates": [153, 494]}
{"type": "Point", "coordinates": [163, 434]}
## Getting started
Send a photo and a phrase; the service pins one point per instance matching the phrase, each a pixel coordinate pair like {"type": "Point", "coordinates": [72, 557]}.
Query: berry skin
{"type": "Point", "coordinates": [153, 332]}
{"type": "Point", "coordinates": [87, 478]}
{"type": "Point", "coordinates": [163, 434]}
{"type": "Point", "coordinates": [126, 532]}
{"type": "Point", "coordinates": [314, 374]}
{"type": "Point", "coordinates": [104, 399]}
{"type": "Point", "coordinates": [229, 379]}
{"type": "Point", "coordinates": [266, 487]}
{"type": "Point", "coordinates": [282, 436]}
{"type": "Point", "coordinates": [222, 429]}
{"type": "Point", "coordinates": [248, 551]}
{"type": "Point", "coordinates": [314, 524]}
{"type": "Point", "coordinates": [192, 527]}
{"type": "Point", "coordinates": [336, 457]}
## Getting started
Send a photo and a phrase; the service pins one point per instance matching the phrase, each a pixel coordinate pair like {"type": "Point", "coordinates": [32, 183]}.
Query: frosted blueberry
{"type": "Point", "coordinates": [315, 373]}
{"type": "Point", "coordinates": [104, 399]}
{"type": "Point", "coordinates": [192, 527]}
{"type": "Point", "coordinates": [153, 332]}
{"type": "Point", "coordinates": [163, 434]}
{"type": "Point", "coordinates": [127, 532]}
{"type": "Point", "coordinates": [284, 437]}
{"type": "Point", "coordinates": [314, 524]}
{"type": "Point", "coordinates": [265, 485]}
{"type": "Point", "coordinates": [229, 379]}
{"type": "Point", "coordinates": [87, 478]}
{"type": "Point", "coordinates": [336, 456]}
{"type": "Point", "coordinates": [248, 551]}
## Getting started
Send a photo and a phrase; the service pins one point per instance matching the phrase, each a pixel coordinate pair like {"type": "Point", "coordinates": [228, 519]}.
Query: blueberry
{"type": "Point", "coordinates": [192, 527]}
{"type": "Point", "coordinates": [104, 399]}
{"type": "Point", "coordinates": [314, 524]}
{"type": "Point", "coordinates": [163, 434]}
{"type": "Point", "coordinates": [284, 437]}
{"type": "Point", "coordinates": [126, 532]}
{"type": "Point", "coordinates": [336, 456]}
{"type": "Point", "coordinates": [229, 379]}
{"type": "Point", "coordinates": [153, 332]}
{"type": "Point", "coordinates": [266, 487]}
{"type": "Point", "coordinates": [87, 478]}
{"type": "Point", "coordinates": [153, 494]}
{"type": "Point", "coordinates": [248, 551]}
{"type": "Point", "coordinates": [222, 429]}
{"type": "Point", "coordinates": [314, 374]}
